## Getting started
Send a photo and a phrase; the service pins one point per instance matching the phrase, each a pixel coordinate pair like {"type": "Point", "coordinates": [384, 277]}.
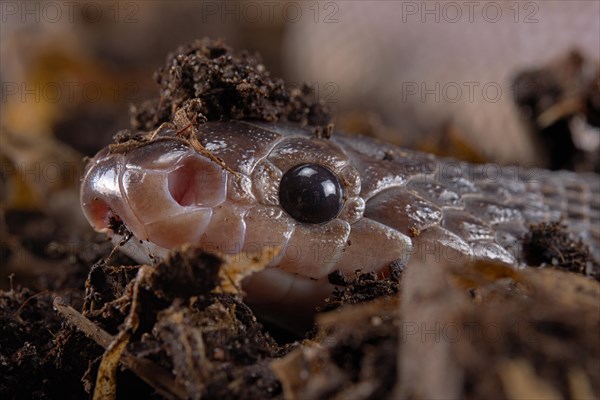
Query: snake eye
{"type": "Point", "coordinates": [310, 193]}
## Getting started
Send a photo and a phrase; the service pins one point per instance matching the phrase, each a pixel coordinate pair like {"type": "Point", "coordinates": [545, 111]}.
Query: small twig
{"type": "Point", "coordinates": [196, 145]}
{"type": "Point", "coordinates": [155, 376]}
{"type": "Point", "coordinates": [185, 128]}
{"type": "Point", "coordinates": [86, 326]}
{"type": "Point", "coordinates": [16, 314]}
{"type": "Point", "coordinates": [563, 109]}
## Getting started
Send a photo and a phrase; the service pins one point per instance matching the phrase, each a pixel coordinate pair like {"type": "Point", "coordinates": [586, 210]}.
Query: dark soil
{"type": "Point", "coordinates": [551, 244]}
{"type": "Point", "coordinates": [229, 86]}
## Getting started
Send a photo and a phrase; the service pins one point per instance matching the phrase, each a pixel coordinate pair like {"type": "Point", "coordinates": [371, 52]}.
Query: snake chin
{"type": "Point", "coordinates": [142, 251]}
{"type": "Point", "coordinates": [286, 299]}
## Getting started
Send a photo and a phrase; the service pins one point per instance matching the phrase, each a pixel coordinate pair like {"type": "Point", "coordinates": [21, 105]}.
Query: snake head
{"type": "Point", "coordinates": [281, 189]}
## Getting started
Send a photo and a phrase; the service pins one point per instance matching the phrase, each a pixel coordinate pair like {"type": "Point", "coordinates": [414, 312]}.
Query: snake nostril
{"type": "Point", "coordinates": [198, 182]}
{"type": "Point", "coordinates": [181, 185]}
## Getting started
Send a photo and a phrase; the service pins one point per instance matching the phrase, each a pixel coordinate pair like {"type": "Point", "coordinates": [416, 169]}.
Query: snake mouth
{"type": "Point", "coordinates": [102, 216]}
{"type": "Point", "coordinates": [102, 201]}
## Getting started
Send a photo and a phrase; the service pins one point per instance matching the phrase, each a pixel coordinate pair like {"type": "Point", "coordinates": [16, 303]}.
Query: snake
{"type": "Point", "coordinates": [323, 204]}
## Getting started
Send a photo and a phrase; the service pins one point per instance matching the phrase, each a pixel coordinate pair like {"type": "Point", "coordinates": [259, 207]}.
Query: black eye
{"type": "Point", "coordinates": [310, 193]}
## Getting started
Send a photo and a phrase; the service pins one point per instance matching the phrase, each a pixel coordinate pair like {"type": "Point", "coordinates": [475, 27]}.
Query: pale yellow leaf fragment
{"type": "Point", "coordinates": [521, 382]}
{"type": "Point", "coordinates": [236, 267]}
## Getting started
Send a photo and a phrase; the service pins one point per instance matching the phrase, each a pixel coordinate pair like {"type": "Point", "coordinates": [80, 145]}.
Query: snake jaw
{"type": "Point", "coordinates": [142, 251]}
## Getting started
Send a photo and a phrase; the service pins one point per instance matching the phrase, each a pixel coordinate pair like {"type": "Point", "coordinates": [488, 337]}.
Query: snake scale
{"type": "Point", "coordinates": [347, 202]}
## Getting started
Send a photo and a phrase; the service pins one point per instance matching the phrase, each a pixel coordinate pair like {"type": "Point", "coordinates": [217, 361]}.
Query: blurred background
{"type": "Point", "coordinates": [512, 82]}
